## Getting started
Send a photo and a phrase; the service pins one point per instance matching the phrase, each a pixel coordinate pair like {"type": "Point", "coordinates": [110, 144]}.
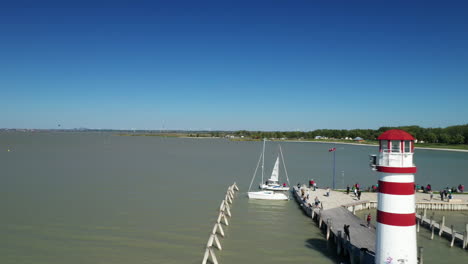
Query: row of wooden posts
{"type": "Point", "coordinates": [224, 213]}
{"type": "Point", "coordinates": [452, 234]}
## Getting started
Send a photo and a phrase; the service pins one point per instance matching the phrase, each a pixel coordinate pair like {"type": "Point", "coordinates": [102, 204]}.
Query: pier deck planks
{"type": "Point", "coordinates": [361, 235]}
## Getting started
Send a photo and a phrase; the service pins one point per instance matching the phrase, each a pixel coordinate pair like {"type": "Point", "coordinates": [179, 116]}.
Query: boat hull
{"type": "Point", "coordinates": [267, 195]}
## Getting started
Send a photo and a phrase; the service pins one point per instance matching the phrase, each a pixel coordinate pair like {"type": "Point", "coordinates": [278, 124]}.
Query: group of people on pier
{"type": "Point", "coordinates": [356, 190]}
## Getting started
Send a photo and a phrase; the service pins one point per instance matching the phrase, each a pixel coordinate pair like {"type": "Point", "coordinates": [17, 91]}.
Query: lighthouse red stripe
{"type": "Point", "coordinates": [405, 170]}
{"type": "Point", "coordinates": [396, 219]}
{"type": "Point", "coordinates": [396, 188]}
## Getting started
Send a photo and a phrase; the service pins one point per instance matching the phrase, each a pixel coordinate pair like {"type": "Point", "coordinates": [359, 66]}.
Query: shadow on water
{"type": "Point", "coordinates": [326, 248]}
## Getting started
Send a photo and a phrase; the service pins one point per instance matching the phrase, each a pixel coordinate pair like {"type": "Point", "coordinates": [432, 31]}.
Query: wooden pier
{"type": "Point", "coordinates": [339, 208]}
{"type": "Point", "coordinates": [360, 247]}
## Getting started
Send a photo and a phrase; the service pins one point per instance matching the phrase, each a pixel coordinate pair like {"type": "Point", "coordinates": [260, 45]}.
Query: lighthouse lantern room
{"type": "Point", "coordinates": [396, 218]}
{"type": "Point", "coordinates": [396, 149]}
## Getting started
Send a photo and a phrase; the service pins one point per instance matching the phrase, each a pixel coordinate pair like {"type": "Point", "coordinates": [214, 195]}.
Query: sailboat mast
{"type": "Point", "coordinates": [284, 164]}
{"type": "Point", "coordinates": [263, 159]}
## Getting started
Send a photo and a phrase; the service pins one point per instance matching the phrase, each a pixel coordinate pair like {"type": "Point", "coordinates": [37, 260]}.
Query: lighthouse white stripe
{"type": "Point", "coordinates": [397, 204]}
{"type": "Point", "coordinates": [389, 177]}
{"type": "Point", "coordinates": [397, 242]}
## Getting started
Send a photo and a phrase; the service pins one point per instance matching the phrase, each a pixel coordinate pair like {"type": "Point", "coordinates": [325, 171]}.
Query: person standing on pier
{"type": "Point", "coordinates": [431, 195]}
{"type": "Point", "coordinates": [347, 189]}
{"type": "Point", "coordinates": [359, 194]}
{"type": "Point", "coordinates": [346, 231]}
{"type": "Point", "coordinates": [369, 218]}
{"type": "Point", "coordinates": [441, 193]}
{"type": "Point", "coordinates": [328, 191]}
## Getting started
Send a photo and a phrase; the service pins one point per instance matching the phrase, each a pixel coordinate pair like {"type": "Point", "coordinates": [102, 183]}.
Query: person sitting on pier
{"type": "Point", "coordinates": [346, 230]}
{"type": "Point", "coordinates": [317, 201]}
{"type": "Point", "coordinates": [461, 188]}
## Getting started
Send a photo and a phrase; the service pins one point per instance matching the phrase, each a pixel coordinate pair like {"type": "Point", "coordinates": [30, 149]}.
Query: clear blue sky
{"type": "Point", "coordinates": [230, 65]}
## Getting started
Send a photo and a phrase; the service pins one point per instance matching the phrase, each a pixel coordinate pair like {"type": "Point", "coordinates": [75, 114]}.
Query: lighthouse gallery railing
{"type": "Point", "coordinates": [388, 158]}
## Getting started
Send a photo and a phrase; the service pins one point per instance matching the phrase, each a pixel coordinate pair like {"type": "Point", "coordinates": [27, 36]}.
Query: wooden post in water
{"type": "Point", "coordinates": [213, 256]}
{"type": "Point", "coordinates": [221, 207]}
{"type": "Point", "coordinates": [418, 223]}
{"type": "Point", "coordinates": [442, 225]}
{"type": "Point", "coordinates": [465, 237]}
{"type": "Point", "coordinates": [227, 208]}
{"type": "Point", "coordinates": [228, 198]}
{"type": "Point", "coordinates": [432, 233]}
{"type": "Point", "coordinates": [328, 228]}
{"type": "Point", "coordinates": [354, 210]}
{"type": "Point", "coordinates": [320, 221]}
{"type": "Point", "coordinates": [223, 217]}
{"type": "Point", "coordinates": [216, 228]}
{"type": "Point", "coordinates": [453, 236]}
{"type": "Point", "coordinates": [421, 255]}
{"type": "Point", "coordinates": [213, 239]}
{"type": "Point", "coordinates": [338, 242]}
{"type": "Point", "coordinates": [424, 215]}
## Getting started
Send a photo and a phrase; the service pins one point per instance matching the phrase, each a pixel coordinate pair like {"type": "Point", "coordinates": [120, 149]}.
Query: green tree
{"type": "Point", "coordinates": [458, 139]}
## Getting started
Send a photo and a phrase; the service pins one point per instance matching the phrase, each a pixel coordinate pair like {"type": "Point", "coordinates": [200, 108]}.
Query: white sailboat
{"type": "Point", "coordinates": [269, 194]}
{"type": "Point", "coordinates": [272, 183]}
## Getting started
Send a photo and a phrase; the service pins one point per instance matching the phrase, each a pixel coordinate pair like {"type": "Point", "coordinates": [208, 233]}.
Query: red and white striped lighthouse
{"type": "Point", "coordinates": [396, 219]}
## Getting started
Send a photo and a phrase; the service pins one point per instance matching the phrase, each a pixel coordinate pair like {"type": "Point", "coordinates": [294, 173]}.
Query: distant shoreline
{"type": "Point", "coordinates": [374, 145]}
{"type": "Point", "coordinates": [294, 141]}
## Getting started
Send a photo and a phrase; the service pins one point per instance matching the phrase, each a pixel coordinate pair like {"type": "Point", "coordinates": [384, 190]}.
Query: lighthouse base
{"type": "Point", "coordinates": [396, 244]}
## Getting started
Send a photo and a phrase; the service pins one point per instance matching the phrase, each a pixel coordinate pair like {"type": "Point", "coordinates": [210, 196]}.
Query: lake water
{"type": "Point", "coordinates": [103, 198]}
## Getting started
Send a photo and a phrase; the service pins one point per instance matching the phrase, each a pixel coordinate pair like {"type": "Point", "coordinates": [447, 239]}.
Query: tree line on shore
{"type": "Point", "coordinates": [449, 135]}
